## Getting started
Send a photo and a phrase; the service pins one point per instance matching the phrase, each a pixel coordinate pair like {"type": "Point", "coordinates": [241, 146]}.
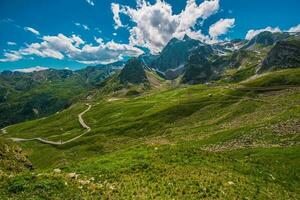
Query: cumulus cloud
{"type": "Point", "coordinates": [61, 46]}
{"type": "Point", "coordinates": [252, 33]}
{"type": "Point", "coordinates": [32, 69]}
{"type": "Point", "coordinates": [32, 30]}
{"type": "Point", "coordinates": [91, 2]}
{"type": "Point", "coordinates": [295, 29]}
{"type": "Point", "coordinates": [221, 27]}
{"type": "Point", "coordinates": [78, 41]}
{"type": "Point", "coordinates": [105, 53]}
{"type": "Point", "coordinates": [156, 24]}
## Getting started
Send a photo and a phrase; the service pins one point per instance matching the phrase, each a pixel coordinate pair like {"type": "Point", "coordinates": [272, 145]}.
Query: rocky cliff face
{"type": "Point", "coordinates": [265, 38]}
{"type": "Point", "coordinates": [175, 54]}
{"type": "Point", "coordinates": [285, 54]}
{"type": "Point", "coordinates": [200, 67]}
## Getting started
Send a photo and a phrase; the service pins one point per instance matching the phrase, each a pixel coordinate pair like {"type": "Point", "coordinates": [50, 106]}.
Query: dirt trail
{"type": "Point", "coordinates": [81, 121]}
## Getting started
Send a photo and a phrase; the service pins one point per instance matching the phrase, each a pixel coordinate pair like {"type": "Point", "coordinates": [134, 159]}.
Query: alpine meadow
{"type": "Point", "coordinates": [149, 99]}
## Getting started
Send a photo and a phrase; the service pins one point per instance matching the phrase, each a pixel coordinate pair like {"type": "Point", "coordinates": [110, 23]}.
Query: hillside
{"type": "Point", "coordinates": [25, 96]}
{"type": "Point", "coordinates": [199, 141]}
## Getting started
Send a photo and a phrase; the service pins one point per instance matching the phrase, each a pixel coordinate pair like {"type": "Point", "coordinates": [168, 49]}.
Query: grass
{"type": "Point", "coordinates": [277, 78]}
{"type": "Point", "coordinates": [193, 142]}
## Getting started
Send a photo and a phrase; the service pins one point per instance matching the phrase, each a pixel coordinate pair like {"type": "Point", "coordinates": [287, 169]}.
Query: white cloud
{"type": "Point", "coordinates": [11, 56]}
{"type": "Point", "coordinates": [116, 15]}
{"type": "Point", "coordinates": [84, 26]}
{"type": "Point", "coordinates": [98, 30]}
{"type": "Point", "coordinates": [155, 24]}
{"type": "Point", "coordinates": [99, 40]}
{"type": "Point", "coordinates": [78, 41]}
{"type": "Point", "coordinates": [115, 34]}
{"type": "Point", "coordinates": [221, 27]}
{"type": "Point", "coordinates": [11, 43]}
{"type": "Point", "coordinates": [105, 53]}
{"type": "Point", "coordinates": [295, 29]}
{"type": "Point", "coordinates": [252, 33]}
{"type": "Point", "coordinates": [91, 2]}
{"type": "Point", "coordinates": [61, 46]}
{"type": "Point", "coordinates": [32, 69]}
{"type": "Point", "coordinates": [32, 30]}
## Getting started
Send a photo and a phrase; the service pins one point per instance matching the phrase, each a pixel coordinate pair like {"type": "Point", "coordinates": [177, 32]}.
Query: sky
{"type": "Point", "coordinates": [72, 34]}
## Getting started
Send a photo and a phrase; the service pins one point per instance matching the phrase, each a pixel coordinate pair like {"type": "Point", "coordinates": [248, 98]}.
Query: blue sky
{"type": "Point", "coordinates": [77, 33]}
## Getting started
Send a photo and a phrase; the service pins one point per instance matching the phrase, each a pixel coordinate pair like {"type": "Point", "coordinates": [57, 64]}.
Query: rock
{"type": "Point", "coordinates": [84, 182]}
{"type": "Point", "coordinates": [73, 175]}
{"type": "Point", "coordinates": [57, 171]}
{"type": "Point", "coordinates": [230, 183]}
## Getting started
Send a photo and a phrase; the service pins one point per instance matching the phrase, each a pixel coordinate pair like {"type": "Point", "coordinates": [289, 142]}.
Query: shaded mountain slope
{"type": "Point", "coordinates": [285, 54]}
{"type": "Point", "coordinates": [133, 72]}
{"type": "Point", "coordinates": [25, 96]}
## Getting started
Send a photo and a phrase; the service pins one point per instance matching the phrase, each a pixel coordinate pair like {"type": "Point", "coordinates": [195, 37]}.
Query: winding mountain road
{"type": "Point", "coordinates": [81, 121]}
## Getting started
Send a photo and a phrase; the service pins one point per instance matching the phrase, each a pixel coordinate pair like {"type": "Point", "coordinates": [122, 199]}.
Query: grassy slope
{"type": "Point", "coordinates": [45, 96]}
{"type": "Point", "coordinates": [180, 143]}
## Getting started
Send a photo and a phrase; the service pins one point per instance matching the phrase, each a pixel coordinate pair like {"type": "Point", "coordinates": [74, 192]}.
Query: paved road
{"type": "Point", "coordinates": [81, 121]}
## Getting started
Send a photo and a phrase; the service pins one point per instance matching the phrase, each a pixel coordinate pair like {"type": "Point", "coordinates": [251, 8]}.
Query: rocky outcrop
{"type": "Point", "coordinates": [285, 54]}
{"type": "Point", "coordinates": [200, 68]}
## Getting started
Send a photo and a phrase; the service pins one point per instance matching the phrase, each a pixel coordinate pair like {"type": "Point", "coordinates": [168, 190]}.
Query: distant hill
{"type": "Point", "coordinates": [25, 96]}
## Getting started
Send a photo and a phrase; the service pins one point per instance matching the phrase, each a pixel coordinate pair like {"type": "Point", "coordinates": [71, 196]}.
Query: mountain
{"type": "Point", "coordinates": [265, 38]}
{"type": "Point", "coordinates": [199, 67]}
{"type": "Point", "coordinates": [133, 72]}
{"type": "Point", "coordinates": [148, 58]}
{"type": "Point", "coordinates": [285, 54]}
{"type": "Point", "coordinates": [175, 54]}
{"type": "Point", "coordinates": [229, 46]}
